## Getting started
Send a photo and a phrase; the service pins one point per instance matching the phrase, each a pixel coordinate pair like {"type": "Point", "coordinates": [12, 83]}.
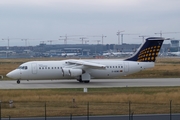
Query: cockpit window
{"type": "Point", "coordinates": [20, 67]}
{"type": "Point", "coordinates": [23, 67]}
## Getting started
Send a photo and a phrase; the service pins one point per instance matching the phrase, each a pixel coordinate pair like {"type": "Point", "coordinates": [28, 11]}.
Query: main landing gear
{"type": "Point", "coordinates": [87, 81]}
{"type": "Point", "coordinates": [83, 81]}
{"type": "Point", "coordinates": [84, 78]}
{"type": "Point", "coordinates": [18, 81]}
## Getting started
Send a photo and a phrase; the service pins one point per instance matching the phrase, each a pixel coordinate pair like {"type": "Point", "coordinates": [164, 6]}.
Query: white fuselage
{"type": "Point", "coordinates": [36, 70]}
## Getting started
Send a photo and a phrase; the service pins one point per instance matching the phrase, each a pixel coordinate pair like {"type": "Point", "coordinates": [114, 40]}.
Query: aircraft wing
{"type": "Point", "coordinates": [87, 64]}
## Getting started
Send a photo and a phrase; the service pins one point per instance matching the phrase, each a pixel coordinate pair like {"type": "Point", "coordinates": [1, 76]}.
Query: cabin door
{"type": "Point", "coordinates": [126, 67]}
{"type": "Point", "coordinates": [34, 68]}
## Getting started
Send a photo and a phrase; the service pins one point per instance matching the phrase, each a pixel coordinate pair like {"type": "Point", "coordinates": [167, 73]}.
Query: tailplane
{"type": "Point", "coordinates": [148, 51]}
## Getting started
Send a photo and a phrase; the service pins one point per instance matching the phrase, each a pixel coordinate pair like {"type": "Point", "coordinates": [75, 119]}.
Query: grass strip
{"type": "Point", "coordinates": [102, 101]}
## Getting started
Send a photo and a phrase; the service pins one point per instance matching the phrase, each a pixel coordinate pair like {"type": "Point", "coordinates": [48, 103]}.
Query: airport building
{"type": "Point", "coordinates": [73, 50]}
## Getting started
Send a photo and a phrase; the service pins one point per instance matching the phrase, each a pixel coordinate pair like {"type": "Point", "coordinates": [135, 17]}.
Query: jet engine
{"type": "Point", "coordinates": [71, 72]}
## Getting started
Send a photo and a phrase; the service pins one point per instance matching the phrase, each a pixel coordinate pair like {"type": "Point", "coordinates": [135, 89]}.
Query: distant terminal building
{"type": "Point", "coordinates": [174, 43]}
{"type": "Point", "coordinates": [78, 50]}
{"type": "Point", "coordinates": [174, 46]}
{"type": "Point", "coordinates": [73, 50]}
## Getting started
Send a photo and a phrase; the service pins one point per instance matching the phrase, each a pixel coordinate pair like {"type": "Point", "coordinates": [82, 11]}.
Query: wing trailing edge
{"type": "Point", "coordinates": [86, 63]}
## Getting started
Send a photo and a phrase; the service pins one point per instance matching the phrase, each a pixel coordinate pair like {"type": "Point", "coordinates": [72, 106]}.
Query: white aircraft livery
{"type": "Point", "coordinates": [85, 70]}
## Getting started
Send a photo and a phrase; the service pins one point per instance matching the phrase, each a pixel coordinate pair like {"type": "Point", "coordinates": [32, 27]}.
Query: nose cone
{"type": "Point", "coordinates": [15, 74]}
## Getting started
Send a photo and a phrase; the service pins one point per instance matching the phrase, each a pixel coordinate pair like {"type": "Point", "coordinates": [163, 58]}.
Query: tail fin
{"type": "Point", "coordinates": [148, 51]}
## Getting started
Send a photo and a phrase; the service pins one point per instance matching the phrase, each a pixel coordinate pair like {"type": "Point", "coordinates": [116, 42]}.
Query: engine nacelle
{"type": "Point", "coordinates": [65, 72]}
{"type": "Point", "coordinates": [75, 72]}
{"type": "Point", "coordinates": [71, 72]}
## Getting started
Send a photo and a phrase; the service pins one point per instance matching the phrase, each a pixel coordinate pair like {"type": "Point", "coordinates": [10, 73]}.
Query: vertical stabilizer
{"type": "Point", "coordinates": [148, 51]}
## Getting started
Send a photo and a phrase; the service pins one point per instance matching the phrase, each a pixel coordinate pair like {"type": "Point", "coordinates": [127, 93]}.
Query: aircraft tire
{"type": "Point", "coordinates": [86, 81]}
{"type": "Point", "coordinates": [80, 81]}
{"type": "Point", "coordinates": [18, 81]}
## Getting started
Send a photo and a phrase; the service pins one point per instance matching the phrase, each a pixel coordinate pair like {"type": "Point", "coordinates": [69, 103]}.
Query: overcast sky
{"type": "Point", "coordinates": [44, 20]}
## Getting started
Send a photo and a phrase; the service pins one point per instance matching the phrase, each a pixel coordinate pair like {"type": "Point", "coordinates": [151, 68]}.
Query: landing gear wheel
{"type": "Point", "coordinates": [86, 81]}
{"type": "Point", "coordinates": [80, 81]}
{"type": "Point", "coordinates": [18, 81]}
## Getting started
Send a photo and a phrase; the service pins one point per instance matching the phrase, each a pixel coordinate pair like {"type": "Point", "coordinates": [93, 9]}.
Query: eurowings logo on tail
{"type": "Point", "coordinates": [148, 51]}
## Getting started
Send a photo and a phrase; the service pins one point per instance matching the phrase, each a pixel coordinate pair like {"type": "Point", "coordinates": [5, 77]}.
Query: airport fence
{"type": "Point", "coordinates": [55, 109]}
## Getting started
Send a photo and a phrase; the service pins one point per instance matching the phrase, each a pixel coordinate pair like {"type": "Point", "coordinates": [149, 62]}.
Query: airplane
{"type": "Point", "coordinates": [87, 69]}
{"type": "Point", "coordinates": [116, 54]}
{"type": "Point", "coordinates": [107, 54]}
{"type": "Point", "coordinates": [69, 54]}
{"type": "Point", "coordinates": [121, 53]}
{"type": "Point", "coordinates": [174, 53]}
